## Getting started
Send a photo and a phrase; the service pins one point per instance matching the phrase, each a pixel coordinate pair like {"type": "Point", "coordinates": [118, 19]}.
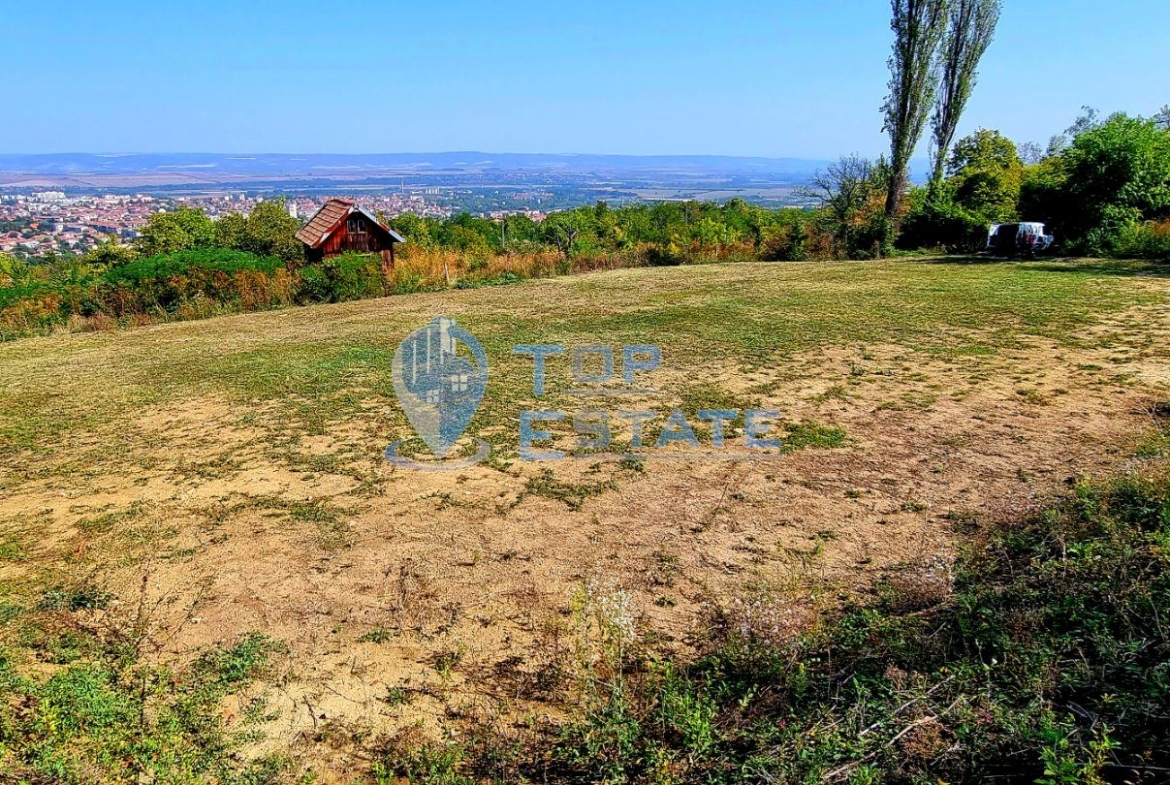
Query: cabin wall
{"type": "Point", "coordinates": [365, 237]}
{"type": "Point", "coordinates": [355, 234]}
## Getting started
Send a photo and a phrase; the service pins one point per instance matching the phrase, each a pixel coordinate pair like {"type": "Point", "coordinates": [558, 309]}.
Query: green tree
{"type": "Point", "coordinates": [566, 230]}
{"type": "Point", "coordinates": [714, 235]}
{"type": "Point", "coordinates": [1118, 174]}
{"type": "Point", "coordinates": [519, 229]}
{"type": "Point", "coordinates": [415, 229]}
{"type": "Point", "coordinates": [607, 225]}
{"type": "Point", "coordinates": [970, 30]}
{"type": "Point", "coordinates": [746, 220]}
{"type": "Point", "coordinates": [231, 231]}
{"type": "Point", "coordinates": [919, 27]}
{"type": "Point", "coordinates": [110, 254]}
{"type": "Point", "coordinates": [638, 225]}
{"type": "Point", "coordinates": [13, 272]}
{"type": "Point", "coordinates": [169, 232]}
{"type": "Point", "coordinates": [985, 176]}
{"type": "Point", "coordinates": [1113, 175]}
{"type": "Point", "coordinates": [271, 231]}
{"type": "Point", "coordinates": [1042, 194]}
{"type": "Point", "coordinates": [467, 233]}
{"type": "Point", "coordinates": [983, 188]}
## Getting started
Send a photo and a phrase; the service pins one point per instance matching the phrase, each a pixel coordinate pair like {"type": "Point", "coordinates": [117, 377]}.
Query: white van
{"type": "Point", "coordinates": [1022, 239]}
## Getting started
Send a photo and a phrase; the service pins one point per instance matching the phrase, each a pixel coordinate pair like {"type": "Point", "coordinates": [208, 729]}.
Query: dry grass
{"type": "Point", "coordinates": [237, 462]}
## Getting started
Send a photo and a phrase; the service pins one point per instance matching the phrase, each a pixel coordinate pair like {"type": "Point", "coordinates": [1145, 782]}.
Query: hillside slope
{"type": "Point", "coordinates": [230, 471]}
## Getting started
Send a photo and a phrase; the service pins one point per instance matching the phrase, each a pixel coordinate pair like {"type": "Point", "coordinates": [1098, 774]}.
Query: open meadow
{"type": "Point", "coordinates": [201, 496]}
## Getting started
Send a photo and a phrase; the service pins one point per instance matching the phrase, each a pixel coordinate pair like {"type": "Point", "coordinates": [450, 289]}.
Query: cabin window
{"type": "Point", "coordinates": [357, 226]}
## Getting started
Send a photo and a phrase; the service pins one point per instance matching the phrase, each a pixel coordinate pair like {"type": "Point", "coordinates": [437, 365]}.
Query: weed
{"type": "Point", "coordinates": [74, 598]}
{"type": "Point", "coordinates": [445, 662]}
{"type": "Point", "coordinates": [12, 548]}
{"type": "Point", "coordinates": [810, 434]}
{"type": "Point", "coordinates": [836, 392]}
{"type": "Point", "coordinates": [573, 495]}
{"type": "Point", "coordinates": [665, 568]}
{"type": "Point", "coordinates": [417, 761]}
{"type": "Point", "coordinates": [379, 635]}
{"type": "Point", "coordinates": [632, 465]}
{"type": "Point", "coordinates": [105, 717]}
{"type": "Point", "coordinates": [1032, 396]}
{"type": "Point", "coordinates": [398, 696]}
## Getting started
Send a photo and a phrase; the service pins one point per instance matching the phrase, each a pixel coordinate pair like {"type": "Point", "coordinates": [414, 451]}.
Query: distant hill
{"type": "Point", "coordinates": [208, 165]}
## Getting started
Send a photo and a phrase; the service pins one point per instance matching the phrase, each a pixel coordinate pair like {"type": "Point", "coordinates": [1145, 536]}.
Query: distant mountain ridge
{"type": "Point", "coordinates": [325, 164]}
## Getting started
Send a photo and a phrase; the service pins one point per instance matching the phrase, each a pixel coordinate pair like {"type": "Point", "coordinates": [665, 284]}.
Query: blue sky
{"type": "Point", "coordinates": [778, 78]}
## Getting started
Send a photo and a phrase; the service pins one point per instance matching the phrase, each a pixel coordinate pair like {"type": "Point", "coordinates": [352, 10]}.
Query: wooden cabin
{"type": "Point", "coordinates": [341, 226]}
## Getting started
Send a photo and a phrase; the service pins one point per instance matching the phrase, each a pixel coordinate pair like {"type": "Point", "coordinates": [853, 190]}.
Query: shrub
{"type": "Point", "coordinates": [345, 277]}
{"type": "Point", "coordinates": [940, 223]}
{"type": "Point", "coordinates": [29, 309]}
{"type": "Point", "coordinates": [175, 282]}
{"type": "Point", "coordinates": [186, 262]}
{"type": "Point", "coordinates": [1114, 174]}
{"type": "Point", "coordinates": [669, 255]}
{"type": "Point", "coordinates": [1149, 240]}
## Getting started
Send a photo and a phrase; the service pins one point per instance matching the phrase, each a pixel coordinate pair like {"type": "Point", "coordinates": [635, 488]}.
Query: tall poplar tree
{"type": "Point", "coordinates": [919, 28]}
{"type": "Point", "coordinates": [970, 29]}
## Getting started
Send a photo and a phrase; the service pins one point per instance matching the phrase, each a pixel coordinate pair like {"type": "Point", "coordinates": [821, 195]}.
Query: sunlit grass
{"type": "Point", "coordinates": [313, 366]}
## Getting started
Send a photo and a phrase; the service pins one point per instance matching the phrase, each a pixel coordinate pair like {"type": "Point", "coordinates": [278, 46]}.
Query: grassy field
{"type": "Point", "coordinates": [199, 539]}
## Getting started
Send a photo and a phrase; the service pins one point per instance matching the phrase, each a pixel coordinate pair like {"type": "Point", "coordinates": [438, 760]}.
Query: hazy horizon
{"type": "Point", "coordinates": [244, 154]}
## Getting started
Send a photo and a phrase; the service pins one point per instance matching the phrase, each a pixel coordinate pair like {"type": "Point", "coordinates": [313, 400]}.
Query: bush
{"type": "Point", "coordinates": [940, 223]}
{"type": "Point", "coordinates": [346, 277]}
{"type": "Point", "coordinates": [658, 255]}
{"type": "Point", "coordinates": [785, 243]}
{"type": "Point", "coordinates": [1149, 240]}
{"type": "Point", "coordinates": [1114, 174]}
{"type": "Point", "coordinates": [172, 283]}
{"type": "Point", "coordinates": [28, 308]}
{"type": "Point", "coordinates": [221, 260]}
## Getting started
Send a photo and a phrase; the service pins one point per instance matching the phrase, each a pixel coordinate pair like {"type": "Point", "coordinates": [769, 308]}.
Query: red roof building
{"type": "Point", "coordinates": [341, 226]}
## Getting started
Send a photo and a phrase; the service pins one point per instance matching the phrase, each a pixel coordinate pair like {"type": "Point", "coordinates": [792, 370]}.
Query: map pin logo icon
{"type": "Point", "coordinates": [440, 374]}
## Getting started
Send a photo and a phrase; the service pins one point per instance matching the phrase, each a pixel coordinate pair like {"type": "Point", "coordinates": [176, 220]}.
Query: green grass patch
{"type": "Point", "coordinates": [106, 717]}
{"type": "Point", "coordinates": [808, 434]}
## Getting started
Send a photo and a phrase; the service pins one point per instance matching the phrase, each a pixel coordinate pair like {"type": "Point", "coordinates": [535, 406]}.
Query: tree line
{"type": "Point", "coordinates": [1102, 187]}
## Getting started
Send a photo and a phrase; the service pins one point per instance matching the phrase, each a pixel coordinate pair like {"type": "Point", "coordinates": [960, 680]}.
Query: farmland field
{"type": "Point", "coordinates": [201, 482]}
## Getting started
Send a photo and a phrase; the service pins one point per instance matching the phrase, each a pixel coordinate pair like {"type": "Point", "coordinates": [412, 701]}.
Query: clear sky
{"type": "Point", "coordinates": [768, 77]}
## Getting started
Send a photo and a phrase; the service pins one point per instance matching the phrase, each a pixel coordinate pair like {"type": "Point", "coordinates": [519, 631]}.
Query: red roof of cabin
{"type": "Point", "coordinates": [329, 218]}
